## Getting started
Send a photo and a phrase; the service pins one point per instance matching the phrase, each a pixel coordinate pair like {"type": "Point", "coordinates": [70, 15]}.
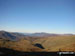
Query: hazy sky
{"type": "Point", "coordinates": [52, 16]}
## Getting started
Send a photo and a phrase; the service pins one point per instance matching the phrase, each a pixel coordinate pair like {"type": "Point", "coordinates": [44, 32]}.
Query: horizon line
{"type": "Point", "coordinates": [36, 32]}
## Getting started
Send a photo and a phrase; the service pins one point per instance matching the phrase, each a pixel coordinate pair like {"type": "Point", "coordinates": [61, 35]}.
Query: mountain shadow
{"type": "Point", "coordinates": [39, 45]}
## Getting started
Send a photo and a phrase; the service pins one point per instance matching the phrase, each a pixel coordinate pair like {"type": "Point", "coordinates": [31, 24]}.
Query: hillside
{"type": "Point", "coordinates": [58, 42]}
{"type": "Point", "coordinates": [34, 44]}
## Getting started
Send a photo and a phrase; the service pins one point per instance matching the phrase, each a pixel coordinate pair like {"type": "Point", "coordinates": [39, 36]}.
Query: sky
{"type": "Point", "coordinates": [51, 16]}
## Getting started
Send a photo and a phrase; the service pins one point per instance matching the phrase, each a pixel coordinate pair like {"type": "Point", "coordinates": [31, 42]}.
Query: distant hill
{"type": "Point", "coordinates": [7, 35]}
{"type": "Point", "coordinates": [42, 34]}
{"type": "Point", "coordinates": [13, 35]}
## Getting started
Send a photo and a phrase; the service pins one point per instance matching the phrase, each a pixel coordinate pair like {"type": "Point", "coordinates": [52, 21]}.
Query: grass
{"type": "Point", "coordinates": [64, 43]}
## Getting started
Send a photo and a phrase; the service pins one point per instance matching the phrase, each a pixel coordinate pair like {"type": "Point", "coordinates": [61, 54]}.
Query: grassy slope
{"type": "Point", "coordinates": [65, 43]}
{"type": "Point", "coordinates": [22, 45]}
{"type": "Point", "coordinates": [54, 43]}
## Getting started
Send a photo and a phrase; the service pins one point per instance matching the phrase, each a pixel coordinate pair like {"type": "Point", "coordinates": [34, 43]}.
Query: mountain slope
{"type": "Point", "coordinates": [7, 35]}
{"type": "Point", "coordinates": [33, 43]}
{"type": "Point", "coordinates": [56, 43]}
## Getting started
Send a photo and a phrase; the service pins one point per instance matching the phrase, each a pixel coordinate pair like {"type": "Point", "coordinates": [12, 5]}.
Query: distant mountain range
{"type": "Point", "coordinates": [16, 35]}
{"type": "Point", "coordinates": [42, 34]}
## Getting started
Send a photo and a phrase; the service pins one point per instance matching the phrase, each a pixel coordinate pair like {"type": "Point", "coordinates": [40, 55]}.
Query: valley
{"type": "Point", "coordinates": [25, 43]}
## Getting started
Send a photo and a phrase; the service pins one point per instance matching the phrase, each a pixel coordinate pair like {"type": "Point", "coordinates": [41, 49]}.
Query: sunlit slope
{"type": "Point", "coordinates": [69, 47]}
{"type": "Point", "coordinates": [22, 45]}
{"type": "Point", "coordinates": [58, 42]}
